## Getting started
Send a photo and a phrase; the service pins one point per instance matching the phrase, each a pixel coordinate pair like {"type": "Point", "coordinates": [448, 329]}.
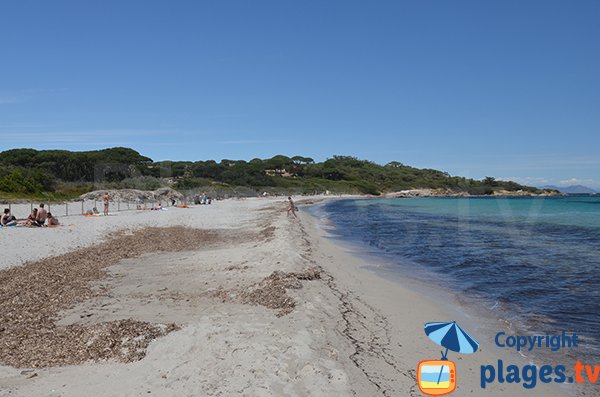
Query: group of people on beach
{"type": "Point", "coordinates": [39, 217]}
{"type": "Point", "coordinates": [203, 199]}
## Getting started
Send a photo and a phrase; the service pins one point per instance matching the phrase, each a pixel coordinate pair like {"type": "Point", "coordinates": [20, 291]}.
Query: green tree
{"type": "Point", "coordinates": [489, 181]}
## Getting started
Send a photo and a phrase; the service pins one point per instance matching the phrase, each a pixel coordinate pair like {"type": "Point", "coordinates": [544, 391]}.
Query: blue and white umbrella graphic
{"type": "Point", "coordinates": [452, 337]}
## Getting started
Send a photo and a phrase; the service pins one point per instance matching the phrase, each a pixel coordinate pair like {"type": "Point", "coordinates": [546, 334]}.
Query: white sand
{"type": "Point", "coordinates": [351, 333]}
{"type": "Point", "coordinates": [24, 244]}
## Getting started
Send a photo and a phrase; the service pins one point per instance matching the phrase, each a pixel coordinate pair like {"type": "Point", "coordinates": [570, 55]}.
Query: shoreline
{"type": "Point", "coordinates": [250, 320]}
{"type": "Point", "coordinates": [425, 282]}
{"type": "Point", "coordinates": [496, 314]}
{"type": "Point", "coordinates": [415, 309]}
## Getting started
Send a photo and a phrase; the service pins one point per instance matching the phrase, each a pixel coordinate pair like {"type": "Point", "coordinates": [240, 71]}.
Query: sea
{"type": "Point", "coordinates": [533, 262]}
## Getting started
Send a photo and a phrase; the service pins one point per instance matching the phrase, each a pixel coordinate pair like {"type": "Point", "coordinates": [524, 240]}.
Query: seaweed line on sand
{"type": "Point", "coordinates": [271, 291]}
{"type": "Point", "coordinates": [32, 295]}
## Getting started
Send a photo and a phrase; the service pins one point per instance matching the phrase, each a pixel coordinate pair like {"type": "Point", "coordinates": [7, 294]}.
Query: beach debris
{"type": "Point", "coordinates": [271, 292]}
{"type": "Point", "coordinates": [268, 233]}
{"type": "Point", "coordinates": [237, 267]}
{"type": "Point", "coordinates": [311, 273]}
{"type": "Point", "coordinates": [222, 294]}
{"type": "Point", "coordinates": [33, 295]}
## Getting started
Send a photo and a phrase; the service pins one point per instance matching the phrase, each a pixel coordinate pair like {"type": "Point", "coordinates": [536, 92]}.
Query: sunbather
{"type": "Point", "coordinates": [41, 216]}
{"type": "Point", "coordinates": [93, 211]}
{"type": "Point", "coordinates": [8, 219]}
{"type": "Point", "coordinates": [30, 221]}
{"type": "Point", "coordinates": [52, 220]}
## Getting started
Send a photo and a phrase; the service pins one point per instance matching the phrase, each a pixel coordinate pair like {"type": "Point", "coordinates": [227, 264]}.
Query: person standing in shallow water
{"type": "Point", "coordinates": [106, 200]}
{"type": "Point", "coordinates": [291, 208]}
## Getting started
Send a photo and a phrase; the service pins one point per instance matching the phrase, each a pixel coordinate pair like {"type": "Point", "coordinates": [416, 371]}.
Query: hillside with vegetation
{"type": "Point", "coordinates": [61, 173]}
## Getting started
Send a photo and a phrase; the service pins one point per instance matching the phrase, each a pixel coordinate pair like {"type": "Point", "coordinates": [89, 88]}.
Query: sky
{"type": "Point", "coordinates": [509, 89]}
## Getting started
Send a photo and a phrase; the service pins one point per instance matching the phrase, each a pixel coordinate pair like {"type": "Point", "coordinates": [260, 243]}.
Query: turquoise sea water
{"type": "Point", "coordinates": [534, 261]}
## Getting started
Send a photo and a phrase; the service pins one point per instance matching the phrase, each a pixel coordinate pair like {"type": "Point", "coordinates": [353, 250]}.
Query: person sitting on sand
{"type": "Point", "coordinates": [8, 219]}
{"type": "Point", "coordinates": [30, 221]}
{"type": "Point", "coordinates": [291, 208]}
{"type": "Point", "coordinates": [93, 211]}
{"type": "Point", "coordinates": [52, 220]}
{"type": "Point", "coordinates": [41, 216]}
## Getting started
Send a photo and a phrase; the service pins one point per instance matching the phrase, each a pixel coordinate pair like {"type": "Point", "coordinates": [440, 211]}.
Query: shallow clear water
{"type": "Point", "coordinates": [534, 260]}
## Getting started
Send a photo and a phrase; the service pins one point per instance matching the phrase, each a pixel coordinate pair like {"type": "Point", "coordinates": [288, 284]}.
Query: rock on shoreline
{"type": "Point", "coordinates": [411, 193]}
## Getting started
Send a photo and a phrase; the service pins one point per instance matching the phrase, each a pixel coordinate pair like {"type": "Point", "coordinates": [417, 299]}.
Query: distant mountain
{"type": "Point", "coordinates": [574, 189]}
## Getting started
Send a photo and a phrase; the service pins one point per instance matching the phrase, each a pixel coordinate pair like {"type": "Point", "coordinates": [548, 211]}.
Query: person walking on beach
{"type": "Point", "coordinates": [291, 208]}
{"type": "Point", "coordinates": [106, 200]}
{"type": "Point", "coordinates": [41, 216]}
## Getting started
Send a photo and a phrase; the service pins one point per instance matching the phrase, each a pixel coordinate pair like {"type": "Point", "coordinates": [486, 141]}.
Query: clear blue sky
{"type": "Point", "coordinates": [503, 88]}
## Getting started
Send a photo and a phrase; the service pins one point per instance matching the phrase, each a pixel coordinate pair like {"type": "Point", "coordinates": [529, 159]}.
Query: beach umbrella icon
{"type": "Point", "coordinates": [452, 337]}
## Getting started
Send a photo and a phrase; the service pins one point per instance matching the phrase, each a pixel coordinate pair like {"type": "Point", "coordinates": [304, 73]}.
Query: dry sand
{"type": "Point", "coordinates": [263, 305]}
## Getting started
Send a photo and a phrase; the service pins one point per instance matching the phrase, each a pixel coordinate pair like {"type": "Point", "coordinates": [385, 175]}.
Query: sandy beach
{"type": "Point", "coordinates": [232, 298]}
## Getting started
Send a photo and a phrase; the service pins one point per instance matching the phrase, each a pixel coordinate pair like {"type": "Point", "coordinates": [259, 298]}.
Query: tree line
{"type": "Point", "coordinates": [29, 171]}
